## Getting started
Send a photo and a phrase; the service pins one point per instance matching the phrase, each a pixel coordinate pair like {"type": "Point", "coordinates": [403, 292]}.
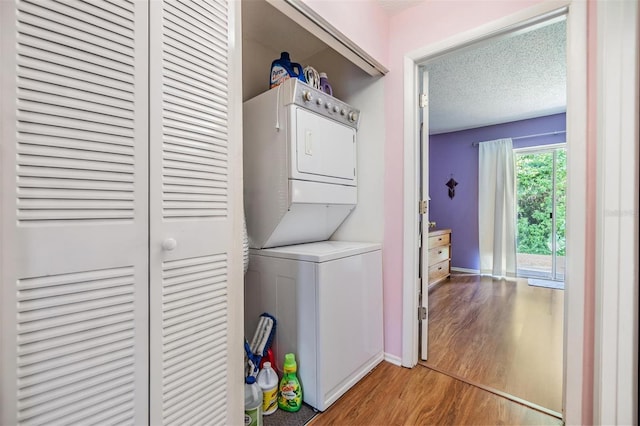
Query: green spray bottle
{"type": "Point", "coordinates": [290, 392]}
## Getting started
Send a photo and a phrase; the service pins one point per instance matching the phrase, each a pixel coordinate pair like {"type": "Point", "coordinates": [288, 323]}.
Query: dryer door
{"type": "Point", "coordinates": [323, 150]}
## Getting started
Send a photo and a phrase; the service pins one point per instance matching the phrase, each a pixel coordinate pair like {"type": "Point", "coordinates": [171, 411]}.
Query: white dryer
{"type": "Point", "coordinates": [300, 177]}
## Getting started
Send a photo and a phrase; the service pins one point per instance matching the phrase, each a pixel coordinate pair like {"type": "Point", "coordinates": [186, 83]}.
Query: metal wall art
{"type": "Point", "coordinates": [451, 184]}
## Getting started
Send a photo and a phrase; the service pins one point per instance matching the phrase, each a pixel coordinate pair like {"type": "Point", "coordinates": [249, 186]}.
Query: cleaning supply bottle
{"type": "Point", "coordinates": [290, 395]}
{"type": "Point", "coordinates": [324, 84]}
{"type": "Point", "coordinates": [268, 382]}
{"type": "Point", "coordinates": [283, 69]}
{"type": "Point", "coordinates": [268, 358]}
{"type": "Point", "coordinates": [252, 402]}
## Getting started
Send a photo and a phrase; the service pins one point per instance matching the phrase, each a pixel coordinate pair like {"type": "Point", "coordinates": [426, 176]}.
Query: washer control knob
{"type": "Point", "coordinates": [328, 105]}
{"type": "Point", "coordinates": [343, 112]}
{"type": "Point", "coordinates": [319, 101]}
{"type": "Point", "coordinates": [336, 109]}
{"type": "Point", "coordinates": [353, 116]}
{"type": "Point", "coordinates": [307, 96]}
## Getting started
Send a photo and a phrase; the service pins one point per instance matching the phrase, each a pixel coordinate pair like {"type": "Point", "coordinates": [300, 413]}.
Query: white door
{"type": "Point", "coordinates": [88, 227]}
{"type": "Point", "coordinates": [424, 218]}
{"type": "Point", "coordinates": [325, 150]}
{"type": "Point", "coordinates": [192, 197]}
{"type": "Point", "coordinates": [74, 215]}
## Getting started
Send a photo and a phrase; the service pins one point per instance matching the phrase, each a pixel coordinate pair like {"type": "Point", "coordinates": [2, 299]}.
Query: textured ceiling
{"type": "Point", "coordinates": [511, 78]}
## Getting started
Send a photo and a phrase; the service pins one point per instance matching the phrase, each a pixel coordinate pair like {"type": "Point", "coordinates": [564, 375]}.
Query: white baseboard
{"type": "Point", "coordinates": [465, 270]}
{"type": "Point", "coordinates": [393, 359]}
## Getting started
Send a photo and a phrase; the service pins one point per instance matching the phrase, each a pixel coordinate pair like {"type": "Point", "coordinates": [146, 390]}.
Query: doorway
{"type": "Point", "coordinates": [541, 176]}
{"type": "Point", "coordinates": [456, 152]}
{"type": "Point", "coordinates": [576, 217]}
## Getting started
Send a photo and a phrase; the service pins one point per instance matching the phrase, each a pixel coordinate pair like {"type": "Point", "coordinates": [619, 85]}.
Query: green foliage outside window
{"type": "Point", "coordinates": [535, 191]}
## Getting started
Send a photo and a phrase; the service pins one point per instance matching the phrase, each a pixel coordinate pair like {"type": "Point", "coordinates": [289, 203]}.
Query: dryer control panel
{"type": "Point", "coordinates": [299, 93]}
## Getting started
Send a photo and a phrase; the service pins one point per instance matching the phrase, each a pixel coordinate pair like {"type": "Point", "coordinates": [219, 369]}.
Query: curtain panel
{"type": "Point", "coordinates": [496, 208]}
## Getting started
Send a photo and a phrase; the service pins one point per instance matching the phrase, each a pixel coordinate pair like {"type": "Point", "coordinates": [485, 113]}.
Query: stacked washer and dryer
{"type": "Point", "coordinates": [300, 184]}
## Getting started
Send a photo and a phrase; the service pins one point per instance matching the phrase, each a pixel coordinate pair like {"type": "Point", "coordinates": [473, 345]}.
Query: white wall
{"type": "Point", "coordinates": [352, 85]}
{"type": "Point", "coordinates": [256, 68]}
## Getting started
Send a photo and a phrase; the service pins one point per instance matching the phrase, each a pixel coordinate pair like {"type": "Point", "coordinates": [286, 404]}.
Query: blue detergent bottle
{"type": "Point", "coordinates": [283, 69]}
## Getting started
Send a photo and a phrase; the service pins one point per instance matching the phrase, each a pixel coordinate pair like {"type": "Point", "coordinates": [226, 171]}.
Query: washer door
{"type": "Point", "coordinates": [324, 150]}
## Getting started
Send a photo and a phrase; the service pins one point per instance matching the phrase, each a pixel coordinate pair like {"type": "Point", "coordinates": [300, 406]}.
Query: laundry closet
{"type": "Point", "coordinates": [313, 203]}
{"type": "Point", "coordinates": [121, 210]}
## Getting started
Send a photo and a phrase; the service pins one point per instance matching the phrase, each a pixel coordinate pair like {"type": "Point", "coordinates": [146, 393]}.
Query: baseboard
{"type": "Point", "coordinates": [465, 270]}
{"type": "Point", "coordinates": [395, 360]}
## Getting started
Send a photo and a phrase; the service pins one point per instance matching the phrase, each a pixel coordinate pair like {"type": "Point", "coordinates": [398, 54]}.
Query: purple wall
{"type": "Point", "coordinates": [453, 155]}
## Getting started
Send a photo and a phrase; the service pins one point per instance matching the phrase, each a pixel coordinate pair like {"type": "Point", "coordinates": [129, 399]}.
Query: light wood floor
{"type": "Point", "coordinates": [501, 334]}
{"type": "Point", "coordinates": [496, 334]}
{"type": "Point", "coordinates": [393, 395]}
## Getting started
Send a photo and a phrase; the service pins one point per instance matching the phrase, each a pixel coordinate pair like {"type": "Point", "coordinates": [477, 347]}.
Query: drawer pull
{"type": "Point", "coordinates": [440, 239]}
{"type": "Point", "coordinates": [440, 252]}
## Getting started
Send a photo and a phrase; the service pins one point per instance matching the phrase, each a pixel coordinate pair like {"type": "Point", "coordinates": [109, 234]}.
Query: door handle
{"type": "Point", "coordinates": [169, 244]}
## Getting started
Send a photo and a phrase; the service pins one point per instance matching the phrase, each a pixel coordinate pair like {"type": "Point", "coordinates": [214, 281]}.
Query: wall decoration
{"type": "Point", "coordinates": [451, 184]}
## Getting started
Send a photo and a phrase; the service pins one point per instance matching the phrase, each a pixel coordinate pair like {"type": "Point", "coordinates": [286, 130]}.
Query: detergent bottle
{"type": "Point", "coordinates": [283, 69]}
{"type": "Point", "coordinates": [268, 382]}
{"type": "Point", "coordinates": [290, 394]}
{"type": "Point", "coordinates": [252, 402]}
{"type": "Point", "coordinates": [324, 84]}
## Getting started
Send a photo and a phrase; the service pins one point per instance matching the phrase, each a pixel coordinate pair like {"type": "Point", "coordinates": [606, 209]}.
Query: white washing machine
{"type": "Point", "coordinates": [327, 300]}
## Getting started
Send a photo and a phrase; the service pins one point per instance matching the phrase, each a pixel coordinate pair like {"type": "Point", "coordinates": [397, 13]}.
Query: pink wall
{"type": "Point", "coordinates": [412, 29]}
{"type": "Point", "coordinates": [389, 40]}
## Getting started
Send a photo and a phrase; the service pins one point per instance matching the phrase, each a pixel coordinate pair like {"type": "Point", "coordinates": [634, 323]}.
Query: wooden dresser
{"type": "Point", "coordinates": [439, 255]}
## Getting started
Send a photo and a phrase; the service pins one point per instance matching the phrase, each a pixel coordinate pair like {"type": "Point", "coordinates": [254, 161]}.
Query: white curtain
{"type": "Point", "coordinates": [496, 208]}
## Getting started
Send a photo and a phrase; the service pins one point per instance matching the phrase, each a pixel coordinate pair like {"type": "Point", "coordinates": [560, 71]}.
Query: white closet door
{"type": "Point", "coordinates": [74, 212]}
{"type": "Point", "coordinates": [191, 213]}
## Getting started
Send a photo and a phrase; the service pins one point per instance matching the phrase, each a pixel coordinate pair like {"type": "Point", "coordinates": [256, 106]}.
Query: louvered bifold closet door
{"type": "Point", "coordinates": [74, 212]}
{"type": "Point", "coordinates": [190, 211]}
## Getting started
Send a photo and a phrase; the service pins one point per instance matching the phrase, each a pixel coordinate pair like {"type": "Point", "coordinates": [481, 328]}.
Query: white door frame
{"type": "Point", "coordinates": [576, 12]}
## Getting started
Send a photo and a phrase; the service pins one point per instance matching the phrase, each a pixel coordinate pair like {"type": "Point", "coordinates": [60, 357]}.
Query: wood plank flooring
{"type": "Point", "coordinates": [501, 334]}
{"type": "Point", "coordinates": [392, 395]}
{"type": "Point", "coordinates": [494, 334]}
